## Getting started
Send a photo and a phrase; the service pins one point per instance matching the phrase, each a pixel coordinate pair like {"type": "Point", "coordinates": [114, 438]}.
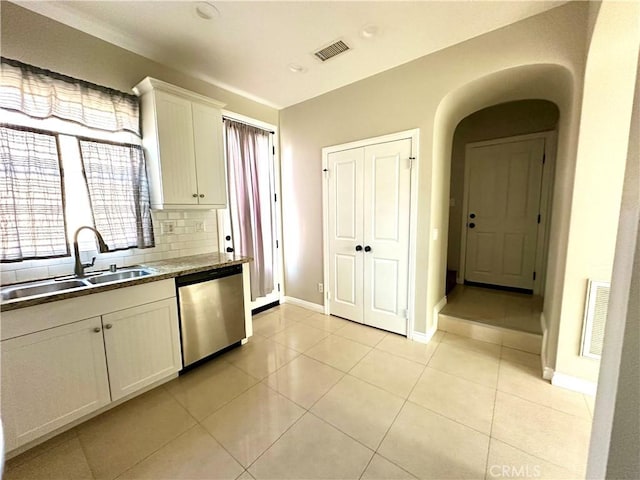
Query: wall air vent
{"type": "Point", "coordinates": [331, 51]}
{"type": "Point", "coordinates": [595, 318]}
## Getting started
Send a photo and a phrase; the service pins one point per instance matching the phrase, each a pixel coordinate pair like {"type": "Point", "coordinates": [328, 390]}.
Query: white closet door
{"type": "Point", "coordinates": [345, 233]}
{"type": "Point", "coordinates": [386, 205]}
{"type": "Point", "coordinates": [503, 195]}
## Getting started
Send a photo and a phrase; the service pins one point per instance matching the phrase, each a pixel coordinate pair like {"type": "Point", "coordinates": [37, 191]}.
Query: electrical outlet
{"type": "Point", "coordinates": [200, 227]}
{"type": "Point", "coordinates": [320, 288]}
{"type": "Point", "coordinates": [168, 227]}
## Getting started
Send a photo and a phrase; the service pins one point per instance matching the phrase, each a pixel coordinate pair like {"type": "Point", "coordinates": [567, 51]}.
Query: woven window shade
{"type": "Point", "coordinates": [118, 192]}
{"type": "Point", "coordinates": [43, 94]}
{"type": "Point", "coordinates": [32, 223]}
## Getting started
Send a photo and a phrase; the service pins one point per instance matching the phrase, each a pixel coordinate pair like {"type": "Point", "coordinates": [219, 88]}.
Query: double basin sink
{"type": "Point", "coordinates": [32, 289]}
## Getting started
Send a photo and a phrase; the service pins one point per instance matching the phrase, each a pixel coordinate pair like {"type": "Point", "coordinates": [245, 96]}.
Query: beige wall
{"type": "Point", "coordinates": [505, 120]}
{"type": "Point", "coordinates": [432, 93]}
{"type": "Point", "coordinates": [615, 439]}
{"type": "Point", "coordinates": [602, 150]}
{"type": "Point", "coordinates": [40, 41]}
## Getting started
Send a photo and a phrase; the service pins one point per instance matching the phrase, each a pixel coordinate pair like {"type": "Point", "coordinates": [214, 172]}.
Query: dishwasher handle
{"type": "Point", "coordinates": [208, 275]}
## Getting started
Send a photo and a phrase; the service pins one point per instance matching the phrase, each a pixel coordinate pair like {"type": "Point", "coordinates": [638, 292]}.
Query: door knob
{"type": "Point", "coordinates": [227, 238]}
{"type": "Point", "coordinates": [229, 249]}
{"type": "Point", "coordinates": [195, 195]}
{"type": "Point", "coordinates": [358, 248]}
{"type": "Point", "coordinates": [367, 248]}
{"type": "Point", "coordinates": [97, 329]}
{"type": "Point", "coordinates": [202, 195]}
{"type": "Point", "coordinates": [472, 225]}
{"type": "Point", "coordinates": [108, 326]}
{"type": "Point", "coordinates": [473, 215]}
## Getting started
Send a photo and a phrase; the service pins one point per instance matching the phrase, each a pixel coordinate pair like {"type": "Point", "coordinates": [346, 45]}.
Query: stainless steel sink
{"type": "Point", "coordinates": [49, 286]}
{"type": "Point", "coordinates": [118, 276]}
{"type": "Point", "coordinates": [43, 287]}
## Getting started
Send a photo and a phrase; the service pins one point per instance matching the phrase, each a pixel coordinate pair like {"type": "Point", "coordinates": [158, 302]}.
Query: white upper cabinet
{"type": "Point", "coordinates": [182, 136]}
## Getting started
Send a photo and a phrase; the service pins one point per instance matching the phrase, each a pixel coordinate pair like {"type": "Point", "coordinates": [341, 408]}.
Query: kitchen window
{"type": "Point", "coordinates": [102, 172]}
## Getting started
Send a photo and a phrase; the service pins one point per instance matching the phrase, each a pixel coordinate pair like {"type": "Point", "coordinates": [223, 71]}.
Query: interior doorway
{"type": "Point", "coordinates": [251, 225]}
{"type": "Point", "coordinates": [502, 170]}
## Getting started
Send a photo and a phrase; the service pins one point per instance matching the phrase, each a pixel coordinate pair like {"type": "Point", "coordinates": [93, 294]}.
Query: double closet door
{"type": "Point", "coordinates": [368, 232]}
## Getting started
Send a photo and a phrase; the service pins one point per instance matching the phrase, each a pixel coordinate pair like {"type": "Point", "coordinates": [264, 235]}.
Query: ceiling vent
{"type": "Point", "coordinates": [331, 51]}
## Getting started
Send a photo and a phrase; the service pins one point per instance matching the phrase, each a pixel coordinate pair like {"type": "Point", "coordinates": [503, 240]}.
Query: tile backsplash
{"type": "Point", "coordinates": [187, 238]}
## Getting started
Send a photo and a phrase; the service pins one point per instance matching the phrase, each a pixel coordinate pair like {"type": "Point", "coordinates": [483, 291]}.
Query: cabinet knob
{"type": "Point", "coordinates": [202, 195]}
{"type": "Point", "coordinates": [108, 326]}
{"type": "Point", "coordinates": [97, 329]}
{"type": "Point", "coordinates": [195, 195]}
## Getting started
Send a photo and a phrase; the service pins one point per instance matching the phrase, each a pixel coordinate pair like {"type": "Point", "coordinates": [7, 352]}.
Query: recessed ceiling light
{"type": "Point", "coordinates": [295, 68]}
{"type": "Point", "coordinates": [206, 10]}
{"type": "Point", "coordinates": [369, 31]}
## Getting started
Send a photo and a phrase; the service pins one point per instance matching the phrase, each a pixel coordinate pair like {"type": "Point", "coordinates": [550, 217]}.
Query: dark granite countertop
{"type": "Point", "coordinates": [161, 269]}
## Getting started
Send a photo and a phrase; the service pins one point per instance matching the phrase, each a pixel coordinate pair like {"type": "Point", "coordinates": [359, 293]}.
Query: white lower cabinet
{"type": "Point", "coordinates": [57, 375]}
{"type": "Point", "coordinates": [141, 346]}
{"type": "Point", "coordinates": [51, 378]}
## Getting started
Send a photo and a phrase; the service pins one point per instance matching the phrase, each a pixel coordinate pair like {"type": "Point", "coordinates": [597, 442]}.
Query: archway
{"type": "Point", "coordinates": [552, 83]}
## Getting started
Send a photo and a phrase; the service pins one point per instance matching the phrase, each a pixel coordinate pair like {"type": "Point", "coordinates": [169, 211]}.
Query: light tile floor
{"type": "Point", "coordinates": [515, 311]}
{"type": "Point", "coordinates": [311, 396]}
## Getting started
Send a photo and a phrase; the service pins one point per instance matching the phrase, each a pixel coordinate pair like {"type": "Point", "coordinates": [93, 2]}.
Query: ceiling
{"type": "Point", "coordinates": [249, 46]}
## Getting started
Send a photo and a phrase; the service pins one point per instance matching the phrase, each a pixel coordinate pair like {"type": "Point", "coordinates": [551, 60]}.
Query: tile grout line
{"type": "Point", "coordinates": [376, 451]}
{"type": "Point", "coordinates": [493, 415]}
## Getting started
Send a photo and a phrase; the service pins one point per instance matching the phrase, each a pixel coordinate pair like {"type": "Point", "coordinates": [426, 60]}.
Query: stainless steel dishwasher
{"type": "Point", "coordinates": [211, 309]}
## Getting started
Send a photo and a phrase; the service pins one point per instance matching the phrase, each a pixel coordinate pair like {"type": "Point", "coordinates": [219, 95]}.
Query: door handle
{"type": "Point", "coordinates": [229, 249]}
{"type": "Point", "coordinates": [358, 248]}
{"type": "Point", "coordinates": [472, 225]}
{"type": "Point", "coordinates": [367, 248]}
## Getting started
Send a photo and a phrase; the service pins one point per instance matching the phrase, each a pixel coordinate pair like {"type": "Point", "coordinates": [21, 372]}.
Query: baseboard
{"type": "Point", "coordinates": [421, 337]}
{"type": "Point", "coordinates": [574, 383]}
{"type": "Point", "coordinates": [547, 372]}
{"type": "Point", "coordinates": [304, 304]}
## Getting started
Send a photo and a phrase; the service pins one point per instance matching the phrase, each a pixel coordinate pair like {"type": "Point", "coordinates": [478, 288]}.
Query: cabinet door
{"type": "Point", "coordinates": [177, 156]}
{"type": "Point", "coordinates": [51, 378]}
{"type": "Point", "coordinates": [142, 344]}
{"type": "Point", "coordinates": [210, 165]}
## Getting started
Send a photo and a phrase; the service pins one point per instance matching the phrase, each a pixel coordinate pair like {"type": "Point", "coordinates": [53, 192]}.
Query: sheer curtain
{"type": "Point", "coordinates": [32, 223]}
{"type": "Point", "coordinates": [251, 208]}
{"type": "Point", "coordinates": [118, 192]}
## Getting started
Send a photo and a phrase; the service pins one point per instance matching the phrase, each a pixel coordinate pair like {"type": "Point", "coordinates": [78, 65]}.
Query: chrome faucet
{"type": "Point", "coordinates": [79, 267]}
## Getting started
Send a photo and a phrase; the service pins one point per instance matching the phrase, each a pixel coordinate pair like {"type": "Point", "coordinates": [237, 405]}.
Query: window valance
{"type": "Point", "coordinates": [40, 93]}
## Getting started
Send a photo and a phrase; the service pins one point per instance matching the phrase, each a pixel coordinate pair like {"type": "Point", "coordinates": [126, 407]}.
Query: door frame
{"type": "Point", "coordinates": [414, 135]}
{"type": "Point", "coordinates": [542, 238]}
{"type": "Point", "coordinates": [277, 191]}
